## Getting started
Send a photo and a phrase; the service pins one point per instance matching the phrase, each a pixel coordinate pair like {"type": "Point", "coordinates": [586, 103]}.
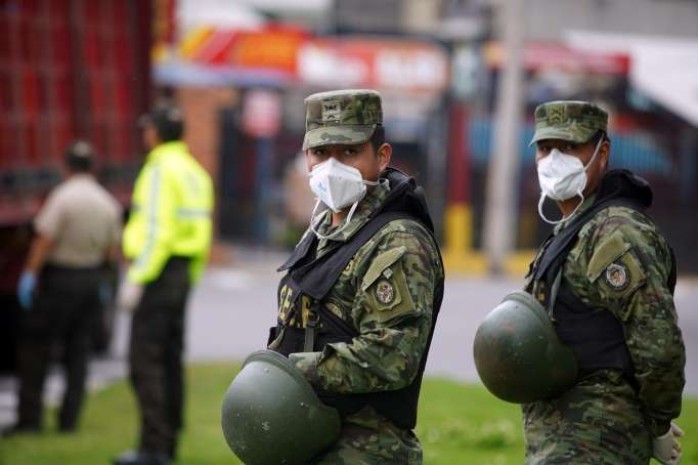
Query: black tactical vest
{"type": "Point", "coordinates": [307, 282]}
{"type": "Point", "coordinates": [595, 334]}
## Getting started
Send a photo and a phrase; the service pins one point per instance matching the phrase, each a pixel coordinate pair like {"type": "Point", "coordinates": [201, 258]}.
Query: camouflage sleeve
{"type": "Point", "coordinates": [628, 263]}
{"type": "Point", "coordinates": [395, 276]}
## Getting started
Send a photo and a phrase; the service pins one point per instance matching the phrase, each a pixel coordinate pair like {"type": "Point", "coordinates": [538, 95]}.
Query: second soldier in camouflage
{"type": "Point", "coordinates": [610, 276]}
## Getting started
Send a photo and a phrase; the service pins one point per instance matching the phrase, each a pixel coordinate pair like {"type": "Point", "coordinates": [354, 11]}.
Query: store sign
{"type": "Point", "coordinates": [261, 113]}
{"type": "Point", "coordinates": [386, 64]}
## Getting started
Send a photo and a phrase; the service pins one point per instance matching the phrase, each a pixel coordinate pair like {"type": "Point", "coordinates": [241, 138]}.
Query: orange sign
{"type": "Point", "coordinates": [274, 48]}
{"type": "Point", "coordinates": [266, 49]}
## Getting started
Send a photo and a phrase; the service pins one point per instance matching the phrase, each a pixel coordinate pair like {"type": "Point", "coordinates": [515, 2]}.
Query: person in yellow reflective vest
{"type": "Point", "coordinates": [166, 240]}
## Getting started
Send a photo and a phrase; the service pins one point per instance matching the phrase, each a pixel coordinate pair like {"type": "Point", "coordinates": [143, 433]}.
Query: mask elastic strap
{"type": "Point", "coordinates": [596, 152]}
{"type": "Point", "coordinates": [556, 222]}
{"type": "Point", "coordinates": [542, 215]}
{"type": "Point", "coordinates": [336, 232]}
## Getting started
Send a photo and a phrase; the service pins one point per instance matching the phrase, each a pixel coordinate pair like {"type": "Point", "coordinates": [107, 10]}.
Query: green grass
{"type": "Point", "coordinates": [458, 424]}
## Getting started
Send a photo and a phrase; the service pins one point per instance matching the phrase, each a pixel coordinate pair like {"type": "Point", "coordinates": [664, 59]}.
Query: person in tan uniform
{"type": "Point", "coordinates": [77, 230]}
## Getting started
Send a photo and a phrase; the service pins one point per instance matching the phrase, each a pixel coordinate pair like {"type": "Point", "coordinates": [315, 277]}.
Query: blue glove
{"type": "Point", "coordinates": [25, 289]}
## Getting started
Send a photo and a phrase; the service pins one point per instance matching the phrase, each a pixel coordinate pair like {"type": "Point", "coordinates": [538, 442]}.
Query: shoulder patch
{"type": "Point", "coordinates": [623, 276]}
{"type": "Point", "coordinates": [385, 292]}
{"type": "Point", "coordinates": [380, 264]}
{"type": "Point", "coordinates": [388, 297]}
{"type": "Point", "coordinates": [617, 276]}
{"type": "Point", "coordinates": [607, 251]}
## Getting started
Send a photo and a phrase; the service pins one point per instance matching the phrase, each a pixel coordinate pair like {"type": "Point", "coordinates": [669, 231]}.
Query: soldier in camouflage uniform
{"type": "Point", "coordinates": [606, 276]}
{"type": "Point", "coordinates": [362, 290]}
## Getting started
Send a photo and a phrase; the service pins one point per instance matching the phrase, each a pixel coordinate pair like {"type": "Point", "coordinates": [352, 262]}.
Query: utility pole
{"type": "Point", "coordinates": [500, 204]}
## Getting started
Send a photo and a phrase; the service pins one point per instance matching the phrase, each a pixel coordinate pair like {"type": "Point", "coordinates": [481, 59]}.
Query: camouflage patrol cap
{"type": "Point", "coordinates": [575, 121]}
{"type": "Point", "coordinates": [341, 117]}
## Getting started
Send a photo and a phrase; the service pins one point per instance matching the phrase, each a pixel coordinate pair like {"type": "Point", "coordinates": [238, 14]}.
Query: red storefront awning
{"type": "Point", "coordinates": [550, 55]}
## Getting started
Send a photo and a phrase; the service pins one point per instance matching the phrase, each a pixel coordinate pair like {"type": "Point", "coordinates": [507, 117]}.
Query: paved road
{"type": "Point", "coordinates": [233, 307]}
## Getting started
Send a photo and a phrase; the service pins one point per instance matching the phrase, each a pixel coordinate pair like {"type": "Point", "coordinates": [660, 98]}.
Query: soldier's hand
{"type": "Point", "coordinates": [667, 448]}
{"type": "Point", "coordinates": [129, 296]}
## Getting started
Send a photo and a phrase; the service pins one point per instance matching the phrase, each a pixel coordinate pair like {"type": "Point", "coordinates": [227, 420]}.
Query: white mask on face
{"type": "Point", "coordinates": [337, 185]}
{"type": "Point", "coordinates": [562, 177]}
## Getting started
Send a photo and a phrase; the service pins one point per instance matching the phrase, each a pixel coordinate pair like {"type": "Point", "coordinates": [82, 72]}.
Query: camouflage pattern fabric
{"type": "Point", "coordinates": [621, 263]}
{"type": "Point", "coordinates": [575, 121]}
{"type": "Point", "coordinates": [386, 293]}
{"type": "Point", "coordinates": [370, 440]}
{"type": "Point", "coordinates": [341, 117]}
{"type": "Point", "coordinates": [597, 422]}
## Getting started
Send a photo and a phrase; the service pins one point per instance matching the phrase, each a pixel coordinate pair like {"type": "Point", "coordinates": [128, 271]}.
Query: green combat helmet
{"type": "Point", "coordinates": [518, 354]}
{"type": "Point", "coordinates": [272, 416]}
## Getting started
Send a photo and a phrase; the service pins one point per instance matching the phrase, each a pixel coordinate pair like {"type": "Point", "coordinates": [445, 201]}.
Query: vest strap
{"type": "Point", "coordinates": [317, 277]}
{"type": "Point", "coordinates": [310, 329]}
{"type": "Point", "coordinates": [558, 246]}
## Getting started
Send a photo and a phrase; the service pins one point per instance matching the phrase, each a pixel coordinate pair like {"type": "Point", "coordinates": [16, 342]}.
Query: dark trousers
{"type": "Point", "coordinates": [155, 356]}
{"type": "Point", "coordinates": [62, 317]}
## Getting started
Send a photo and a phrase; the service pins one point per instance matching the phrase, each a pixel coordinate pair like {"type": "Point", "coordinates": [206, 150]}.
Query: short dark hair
{"type": "Point", "coordinates": [378, 137]}
{"type": "Point", "coordinates": [599, 135]}
{"type": "Point", "coordinates": [167, 121]}
{"type": "Point", "coordinates": [79, 156]}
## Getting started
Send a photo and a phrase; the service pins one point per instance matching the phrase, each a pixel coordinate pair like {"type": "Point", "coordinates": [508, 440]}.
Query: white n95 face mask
{"type": "Point", "coordinates": [562, 177]}
{"type": "Point", "coordinates": [337, 185]}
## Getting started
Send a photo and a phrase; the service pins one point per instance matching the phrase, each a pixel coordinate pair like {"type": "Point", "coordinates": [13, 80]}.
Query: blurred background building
{"type": "Point", "coordinates": [240, 70]}
{"type": "Point", "coordinates": [243, 68]}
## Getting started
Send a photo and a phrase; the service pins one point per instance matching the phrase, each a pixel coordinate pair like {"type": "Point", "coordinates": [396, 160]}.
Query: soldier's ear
{"type": "Point", "coordinates": [385, 152]}
{"type": "Point", "coordinates": [605, 153]}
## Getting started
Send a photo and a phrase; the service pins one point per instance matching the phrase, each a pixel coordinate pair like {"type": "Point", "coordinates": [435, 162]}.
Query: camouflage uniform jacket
{"type": "Point", "coordinates": [620, 263]}
{"type": "Point", "coordinates": [387, 293]}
